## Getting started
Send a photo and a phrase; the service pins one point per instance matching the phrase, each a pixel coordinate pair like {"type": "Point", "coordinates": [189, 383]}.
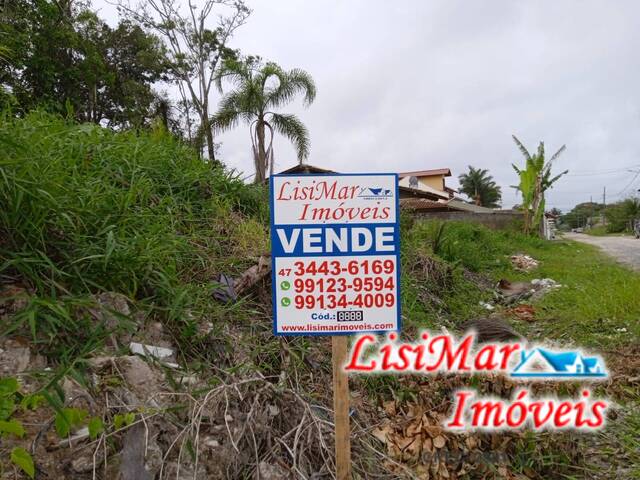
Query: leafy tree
{"type": "Point", "coordinates": [65, 58]}
{"type": "Point", "coordinates": [4, 52]}
{"type": "Point", "coordinates": [535, 179]}
{"type": "Point", "coordinates": [555, 211]}
{"type": "Point", "coordinates": [620, 215]}
{"type": "Point", "coordinates": [478, 185]}
{"type": "Point", "coordinates": [196, 50]}
{"type": "Point", "coordinates": [582, 214]}
{"type": "Point", "coordinates": [134, 61]}
{"type": "Point", "coordinates": [259, 90]}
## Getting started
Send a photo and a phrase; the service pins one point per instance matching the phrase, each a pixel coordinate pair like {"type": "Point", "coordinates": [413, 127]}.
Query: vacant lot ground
{"type": "Point", "coordinates": [126, 240]}
{"type": "Point", "coordinates": [625, 249]}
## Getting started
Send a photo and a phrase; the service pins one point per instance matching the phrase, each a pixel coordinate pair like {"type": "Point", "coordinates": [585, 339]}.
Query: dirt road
{"type": "Point", "coordinates": [624, 249]}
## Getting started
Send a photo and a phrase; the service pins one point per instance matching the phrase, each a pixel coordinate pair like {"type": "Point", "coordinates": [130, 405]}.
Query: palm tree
{"type": "Point", "coordinates": [535, 179]}
{"type": "Point", "coordinates": [259, 90]}
{"type": "Point", "coordinates": [478, 185]}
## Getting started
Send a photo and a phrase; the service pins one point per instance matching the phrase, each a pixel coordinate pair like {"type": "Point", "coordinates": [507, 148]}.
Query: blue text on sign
{"type": "Point", "coordinates": [336, 240]}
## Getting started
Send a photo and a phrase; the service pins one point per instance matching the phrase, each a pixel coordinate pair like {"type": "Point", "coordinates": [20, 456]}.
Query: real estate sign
{"type": "Point", "coordinates": [335, 246]}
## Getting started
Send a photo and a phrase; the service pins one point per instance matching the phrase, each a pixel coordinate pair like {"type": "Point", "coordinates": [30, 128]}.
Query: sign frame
{"type": "Point", "coordinates": [397, 255]}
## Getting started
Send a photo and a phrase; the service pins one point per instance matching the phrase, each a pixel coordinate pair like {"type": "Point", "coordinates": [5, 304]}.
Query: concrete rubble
{"type": "Point", "coordinates": [523, 262]}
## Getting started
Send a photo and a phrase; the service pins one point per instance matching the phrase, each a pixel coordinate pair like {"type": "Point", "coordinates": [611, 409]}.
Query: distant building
{"type": "Point", "coordinates": [432, 181]}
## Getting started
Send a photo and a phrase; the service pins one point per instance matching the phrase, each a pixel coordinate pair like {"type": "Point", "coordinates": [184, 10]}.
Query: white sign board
{"type": "Point", "coordinates": [335, 247]}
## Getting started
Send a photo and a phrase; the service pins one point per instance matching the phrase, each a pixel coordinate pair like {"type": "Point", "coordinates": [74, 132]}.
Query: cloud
{"type": "Point", "coordinates": [413, 85]}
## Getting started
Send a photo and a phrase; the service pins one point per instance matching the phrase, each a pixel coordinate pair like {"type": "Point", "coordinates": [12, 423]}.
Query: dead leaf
{"type": "Point", "coordinates": [433, 430]}
{"type": "Point", "coordinates": [523, 312]}
{"type": "Point", "coordinates": [439, 441]}
{"type": "Point", "coordinates": [382, 433]}
{"type": "Point", "coordinates": [427, 445]}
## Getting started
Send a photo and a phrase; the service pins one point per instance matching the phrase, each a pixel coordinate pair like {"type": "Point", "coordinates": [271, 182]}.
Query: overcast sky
{"type": "Point", "coordinates": [411, 85]}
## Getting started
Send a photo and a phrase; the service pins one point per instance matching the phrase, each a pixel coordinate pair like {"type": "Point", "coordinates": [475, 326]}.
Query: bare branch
{"type": "Point", "coordinates": [195, 49]}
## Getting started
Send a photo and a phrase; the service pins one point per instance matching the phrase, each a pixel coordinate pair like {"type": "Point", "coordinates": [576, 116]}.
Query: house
{"type": "Point", "coordinates": [303, 168]}
{"type": "Point", "coordinates": [429, 180]}
{"type": "Point", "coordinates": [540, 362]}
{"type": "Point", "coordinates": [405, 192]}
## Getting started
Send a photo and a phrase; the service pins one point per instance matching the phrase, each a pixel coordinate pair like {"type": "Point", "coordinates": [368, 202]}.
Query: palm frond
{"type": "Point", "coordinates": [303, 82]}
{"type": "Point", "coordinates": [558, 153]}
{"type": "Point", "coordinates": [521, 147]}
{"type": "Point", "coordinates": [230, 112]}
{"type": "Point", "coordinates": [290, 84]}
{"type": "Point", "coordinates": [292, 128]}
{"type": "Point", "coordinates": [549, 182]}
{"type": "Point", "coordinates": [271, 71]}
{"type": "Point", "coordinates": [541, 150]}
{"type": "Point", "coordinates": [479, 186]}
{"type": "Point", "coordinates": [233, 71]}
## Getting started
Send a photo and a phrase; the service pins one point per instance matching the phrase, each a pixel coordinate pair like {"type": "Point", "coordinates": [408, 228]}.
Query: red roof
{"type": "Point", "coordinates": [408, 192]}
{"type": "Point", "coordinates": [427, 173]}
{"type": "Point", "coordinates": [304, 168]}
{"type": "Point", "coordinates": [422, 204]}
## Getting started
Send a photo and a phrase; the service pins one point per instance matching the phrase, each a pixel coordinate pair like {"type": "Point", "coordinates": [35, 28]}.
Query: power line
{"type": "Point", "coordinates": [637, 173]}
{"type": "Point", "coordinates": [588, 173]}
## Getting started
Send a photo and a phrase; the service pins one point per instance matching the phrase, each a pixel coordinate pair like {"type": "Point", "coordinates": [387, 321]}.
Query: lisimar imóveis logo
{"type": "Point", "coordinates": [444, 353]}
{"type": "Point", "coordinates": [543, 363]}
{"type": "Point", "coordinates": [375, 193]}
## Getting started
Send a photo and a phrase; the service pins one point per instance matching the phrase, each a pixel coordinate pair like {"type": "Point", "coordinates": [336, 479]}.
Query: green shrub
{"type": "Point", "coordinates": [620, 215]}
{"type": "Point", "coordinates": [471, 245]}
{"type": "Point", "coordinates": [85, 209]}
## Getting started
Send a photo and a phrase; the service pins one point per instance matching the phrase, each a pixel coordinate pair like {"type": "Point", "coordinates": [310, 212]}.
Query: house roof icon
{"type": "Point", "coordinates": [540, 362]}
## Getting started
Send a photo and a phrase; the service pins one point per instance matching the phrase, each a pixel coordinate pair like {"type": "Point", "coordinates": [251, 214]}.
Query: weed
{"type": "Point", "coordinates": [84, 209]}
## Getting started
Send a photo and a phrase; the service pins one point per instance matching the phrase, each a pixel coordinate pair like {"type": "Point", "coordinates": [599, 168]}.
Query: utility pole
{"type": "Point", "coordinates": [604, 205]}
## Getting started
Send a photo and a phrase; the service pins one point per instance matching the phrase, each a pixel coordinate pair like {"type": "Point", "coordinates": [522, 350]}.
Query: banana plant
{"type": "Point", "coordinates": [535, 179]}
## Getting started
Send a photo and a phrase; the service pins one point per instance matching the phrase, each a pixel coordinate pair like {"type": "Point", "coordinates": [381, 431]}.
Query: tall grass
{"type": "Point", "coordinates": [470, 245]}
{"type": "Point", "coordinates": [598, 303]}
{"type": "Point", "coordinates": [85, 209]}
